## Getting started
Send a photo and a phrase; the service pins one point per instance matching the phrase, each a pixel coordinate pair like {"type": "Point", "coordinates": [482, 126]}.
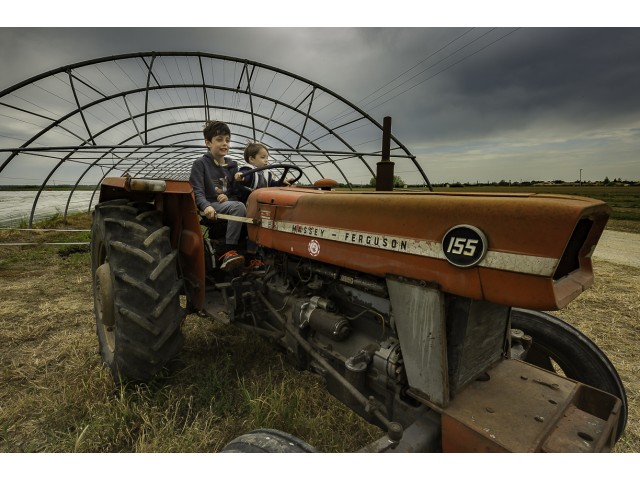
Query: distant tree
{"type": "Point", "coordinates": [397, 182]}
{"type": "Point", "coordinates": [606, 181]}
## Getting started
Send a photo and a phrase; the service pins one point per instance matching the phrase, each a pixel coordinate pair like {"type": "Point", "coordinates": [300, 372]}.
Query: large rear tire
{"type": "Point", "coordinates": [557, 344]}
{"type": "Point", "coordinates": [136, 290]}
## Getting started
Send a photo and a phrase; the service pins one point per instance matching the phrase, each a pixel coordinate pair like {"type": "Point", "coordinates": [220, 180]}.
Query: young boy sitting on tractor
{"type": "Point", "coordinates": [212, 178]}
{"type": "Point", "coordinates": [256, 155]}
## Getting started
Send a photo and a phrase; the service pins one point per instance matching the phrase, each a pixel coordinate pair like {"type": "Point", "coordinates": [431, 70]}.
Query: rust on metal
{"type": "Point", "coordinates": [515, 410]}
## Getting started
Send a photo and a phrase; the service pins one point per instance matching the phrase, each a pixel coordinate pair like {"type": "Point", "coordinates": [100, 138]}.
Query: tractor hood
{"type": "Point", "coordinates": [522, 250]}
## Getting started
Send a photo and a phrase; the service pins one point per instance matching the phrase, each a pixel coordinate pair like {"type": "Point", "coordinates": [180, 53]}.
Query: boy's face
{"type": "Point", "coordinates": [219, 146]}
{"type": "Point", "coordinates": [261, 159]}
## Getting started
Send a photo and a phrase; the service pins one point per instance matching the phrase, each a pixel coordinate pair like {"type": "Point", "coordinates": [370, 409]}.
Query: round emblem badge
{"type": "Point", "coordinates": [464, 246]}
{"type": "Point", "coordinates": [314, 248]}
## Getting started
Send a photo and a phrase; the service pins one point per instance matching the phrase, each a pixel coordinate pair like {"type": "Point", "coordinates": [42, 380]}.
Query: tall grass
{"type": "Point", "coordinates": [55, 395]}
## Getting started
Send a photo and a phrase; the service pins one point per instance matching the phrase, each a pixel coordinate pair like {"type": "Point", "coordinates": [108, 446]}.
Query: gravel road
{"type": "Point", "coordinates": [622, 248]}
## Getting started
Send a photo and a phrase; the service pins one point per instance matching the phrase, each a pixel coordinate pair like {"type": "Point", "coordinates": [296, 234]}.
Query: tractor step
{"type": "Point", "coordinates": [522, 408]}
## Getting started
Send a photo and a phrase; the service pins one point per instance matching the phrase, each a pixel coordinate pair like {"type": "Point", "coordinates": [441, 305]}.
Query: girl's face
{"type": "Point", "coordinates": [261, 159]}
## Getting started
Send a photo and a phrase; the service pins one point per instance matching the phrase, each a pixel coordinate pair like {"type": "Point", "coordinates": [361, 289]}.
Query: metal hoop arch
{"type": "Point", "coordinates": [312, 126]}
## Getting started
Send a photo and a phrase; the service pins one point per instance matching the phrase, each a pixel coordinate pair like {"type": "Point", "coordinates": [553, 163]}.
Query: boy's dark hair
{"type": "Point", "coordinates": [213, 128]}
{"type": "Point", "coordinates": [252, 149]}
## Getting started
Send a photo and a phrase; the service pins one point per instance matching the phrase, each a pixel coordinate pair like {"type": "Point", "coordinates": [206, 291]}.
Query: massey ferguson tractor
{"type": "Point", "coordinates": [424, 312]}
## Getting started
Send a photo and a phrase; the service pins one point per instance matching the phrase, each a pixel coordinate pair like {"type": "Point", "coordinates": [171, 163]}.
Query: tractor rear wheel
{"type": "Point", "coordinates": [136, 290]}
{"type": "Point", "coordinates": [559, 346]}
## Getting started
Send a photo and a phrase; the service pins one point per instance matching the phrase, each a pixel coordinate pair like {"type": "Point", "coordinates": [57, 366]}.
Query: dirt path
{"type": "Point", "coordinates": [621, 248]}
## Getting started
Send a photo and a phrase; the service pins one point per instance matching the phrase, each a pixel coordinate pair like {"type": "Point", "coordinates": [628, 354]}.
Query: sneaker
{"type": "Point", "coordinates": [255, 265]}
{"type": "Point", "coordinates": [231, 260]}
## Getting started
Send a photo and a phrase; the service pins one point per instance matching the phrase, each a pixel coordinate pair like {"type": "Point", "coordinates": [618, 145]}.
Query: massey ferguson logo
{"type": "Point", "coordinates": [464, 246]}
{"type": "Point", "coordinates": [314, 248]}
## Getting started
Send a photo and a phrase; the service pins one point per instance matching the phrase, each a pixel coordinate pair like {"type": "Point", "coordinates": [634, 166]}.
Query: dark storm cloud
{"type": "Point", "coordinates": [568, 78]}
{"type": "Point", "coordinates": [486, 97]}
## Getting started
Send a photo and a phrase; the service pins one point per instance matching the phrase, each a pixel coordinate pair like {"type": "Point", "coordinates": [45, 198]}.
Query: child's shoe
{"type": "Point", "coordinates": [231, 260]}
{"type": "Point", "coordinates": [256, 265]}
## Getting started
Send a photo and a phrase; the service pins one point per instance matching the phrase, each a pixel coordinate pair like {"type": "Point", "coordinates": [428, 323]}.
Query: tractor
{"type": "Point", "coordinates": [426, 313]}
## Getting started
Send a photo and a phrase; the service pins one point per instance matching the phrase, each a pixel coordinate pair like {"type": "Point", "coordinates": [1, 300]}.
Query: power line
{"type": "Point", "coordinates": [434, 64]}
{"type": "Point", "coordinates": [419, 63]}
{"type": "Point", "coordinates": [340, 116]}
{"type": "Point", "coordinates": [447, 68]}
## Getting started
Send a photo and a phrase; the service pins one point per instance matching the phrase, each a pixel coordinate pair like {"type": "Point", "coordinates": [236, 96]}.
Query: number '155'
{"type": "Point", "coordinates": [462, 246]}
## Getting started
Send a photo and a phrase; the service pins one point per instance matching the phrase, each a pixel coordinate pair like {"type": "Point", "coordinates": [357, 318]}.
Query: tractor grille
{"type": "Point", "coordinates": [570, 259]}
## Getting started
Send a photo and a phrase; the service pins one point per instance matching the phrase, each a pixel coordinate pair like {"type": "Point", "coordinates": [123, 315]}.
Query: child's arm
{"type": "Point", "coordinates": [287, 183]}
{"type": "Point", "coordinates": [278, 183]}
{"type": "Point", "coordinates": [243, 177]}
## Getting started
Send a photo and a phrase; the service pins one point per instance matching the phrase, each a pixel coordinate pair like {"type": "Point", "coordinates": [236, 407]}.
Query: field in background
{"type": "Point", "coordinates": [55, 396]}
{"type": "Point", "coordinates": [625, 201]}
{"type": "Point", "coordinates": [15, 206]}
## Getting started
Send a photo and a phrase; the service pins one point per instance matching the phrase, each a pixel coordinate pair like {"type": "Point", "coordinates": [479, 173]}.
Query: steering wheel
{"type": "Point", "coordinates": [285, 166]}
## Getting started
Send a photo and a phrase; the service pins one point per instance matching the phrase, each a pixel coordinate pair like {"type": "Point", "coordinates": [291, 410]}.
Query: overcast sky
{"type": "Point", "coordinates": [472, 103]}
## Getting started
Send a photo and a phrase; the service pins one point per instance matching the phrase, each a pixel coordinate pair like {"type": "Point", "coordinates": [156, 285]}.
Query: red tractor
{"type": "Point", "coordinates": [422, 310]}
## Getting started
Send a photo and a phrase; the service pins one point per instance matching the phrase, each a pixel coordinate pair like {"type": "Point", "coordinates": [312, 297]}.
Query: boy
{"type": "Point", "coordinates": [257, 155]}
{"type": "Point", "coordinates": [212, 181]}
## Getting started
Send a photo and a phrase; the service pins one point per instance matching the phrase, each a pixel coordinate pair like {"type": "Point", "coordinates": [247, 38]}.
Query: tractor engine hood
{"type": "Point", "coordinates": [521, 250]}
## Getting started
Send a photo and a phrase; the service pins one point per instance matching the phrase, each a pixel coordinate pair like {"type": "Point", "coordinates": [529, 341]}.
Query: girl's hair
{"type": "Point", "coordinates": [215, 128]}
{"type": "Point", "coordinates": [252, 149]}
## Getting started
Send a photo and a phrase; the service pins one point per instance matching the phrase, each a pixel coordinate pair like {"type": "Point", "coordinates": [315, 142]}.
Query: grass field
{"type": "Point", "coordinates": [625, 201]}
{"type": "Point", "coordinates": [55, 396]}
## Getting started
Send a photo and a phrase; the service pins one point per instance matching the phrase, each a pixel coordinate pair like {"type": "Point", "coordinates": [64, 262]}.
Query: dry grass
{"type": "Point", "coordinates": [55, 396]}
{"type": "Point", "coordinates": [609, 314]}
